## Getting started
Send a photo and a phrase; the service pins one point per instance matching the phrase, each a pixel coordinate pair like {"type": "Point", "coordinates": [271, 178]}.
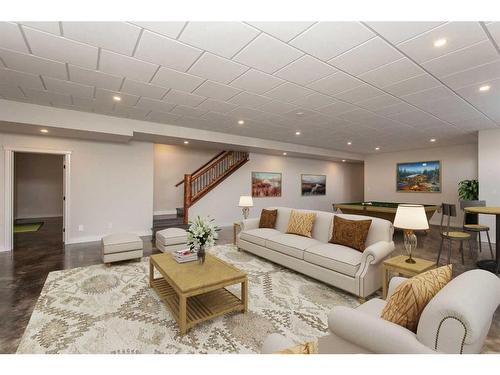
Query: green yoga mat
{"type": "Point", "coordinates": [29, 227]}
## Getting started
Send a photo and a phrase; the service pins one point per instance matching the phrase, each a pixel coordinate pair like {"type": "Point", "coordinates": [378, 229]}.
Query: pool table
{"type": "Point", "coordinates": [383, 210]}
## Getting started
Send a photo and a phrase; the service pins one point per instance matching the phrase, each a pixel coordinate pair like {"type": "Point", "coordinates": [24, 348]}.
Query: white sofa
{"type": "Point", "coordinates": [356, 272]}
{"type": "Point", "coordinates": [455, 321]}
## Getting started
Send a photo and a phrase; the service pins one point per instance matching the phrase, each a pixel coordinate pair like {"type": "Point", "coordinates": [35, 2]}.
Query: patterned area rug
{"type": "Point", "coordinates": [100, 309]}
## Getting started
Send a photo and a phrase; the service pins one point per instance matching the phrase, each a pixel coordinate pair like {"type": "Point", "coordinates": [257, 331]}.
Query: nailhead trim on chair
{"type": "Point", "coordinates": [439, 328]}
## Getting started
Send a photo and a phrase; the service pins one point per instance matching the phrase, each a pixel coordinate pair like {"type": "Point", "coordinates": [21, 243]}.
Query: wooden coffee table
{"type": "Point", "coordinates": [196, 292]}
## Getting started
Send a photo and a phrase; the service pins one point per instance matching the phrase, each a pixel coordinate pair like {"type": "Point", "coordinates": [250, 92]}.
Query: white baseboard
{"type": "Point", "coordinates": [165, 212]}
{"type": "Point", "coordinates": [96, 238]}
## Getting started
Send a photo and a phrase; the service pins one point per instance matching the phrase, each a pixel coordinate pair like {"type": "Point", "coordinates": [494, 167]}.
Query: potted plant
{"type": "Point", "coordinates": [468, 190]}
{"type": "Point", "coordinates": [202, 233]}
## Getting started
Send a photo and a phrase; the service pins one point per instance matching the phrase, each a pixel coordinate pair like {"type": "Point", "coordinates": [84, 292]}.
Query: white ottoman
{"type": "Point", "coordinates": [171, 239]}
{"type": "Point", "coordinates": [121, 246]}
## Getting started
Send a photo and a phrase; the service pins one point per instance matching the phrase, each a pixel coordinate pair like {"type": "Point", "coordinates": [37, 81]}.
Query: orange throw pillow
{"type": "Point", "coordinates": [410, 298]}
{"type": "Point", "coordinates": [268, 218]}
{"type": "Point", "coordinates": [351, 233]}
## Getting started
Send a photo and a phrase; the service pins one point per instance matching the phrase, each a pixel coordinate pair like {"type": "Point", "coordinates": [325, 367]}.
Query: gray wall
{"type": "Point", "coordinates": [38, 185]}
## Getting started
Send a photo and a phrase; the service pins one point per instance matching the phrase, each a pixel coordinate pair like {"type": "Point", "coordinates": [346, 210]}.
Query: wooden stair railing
{"type": "Point", "coordinates": [207, 177]}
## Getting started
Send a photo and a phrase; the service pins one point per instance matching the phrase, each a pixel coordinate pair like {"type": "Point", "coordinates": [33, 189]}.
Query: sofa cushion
{"type": "Point", "coordinates": [291, 244]}
{"type": "Point", "coordinates": [337, 258]}
{"type": "Point", "coordinates": [268, 218]}
{"type": "Point", "coordinates": [301, 223]}
{"type": "Point", "coordinates": [259, 236]}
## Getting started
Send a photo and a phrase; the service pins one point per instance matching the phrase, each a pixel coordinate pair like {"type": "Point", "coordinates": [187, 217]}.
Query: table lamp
{"type": "Point", "coordinates": [245, 203]}
{"type": "Point", "coordinates": [410, 217]}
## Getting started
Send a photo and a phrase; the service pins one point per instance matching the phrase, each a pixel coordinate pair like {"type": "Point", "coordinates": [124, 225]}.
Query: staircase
{"type": "Point", "coordinates": [208, 176]}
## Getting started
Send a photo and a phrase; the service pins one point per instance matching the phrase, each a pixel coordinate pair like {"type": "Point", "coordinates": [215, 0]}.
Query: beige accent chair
{"type": "Point", "coordinates": [359, 273]}
{"type": "Point", "coordinates": [455, 321]}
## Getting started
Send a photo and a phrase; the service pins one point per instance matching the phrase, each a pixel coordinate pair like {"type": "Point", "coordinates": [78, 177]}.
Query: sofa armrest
{"type": "Point", "coordinates": [275, 343]}
{"type": "Point", "coordinates": [373, 333]}
{"type": "Point", "coordinates": [248, 224]}
{"type": "Point", "coordinates": [393, 284]}
{"type": "Point", "coordinates": [377, 252]}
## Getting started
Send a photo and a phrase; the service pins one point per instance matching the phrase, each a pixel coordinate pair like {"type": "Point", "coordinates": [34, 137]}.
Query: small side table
{"type": "Point", "coordinates": [236, 229]}
{"type": "Point", "coordinates": [398, 265]}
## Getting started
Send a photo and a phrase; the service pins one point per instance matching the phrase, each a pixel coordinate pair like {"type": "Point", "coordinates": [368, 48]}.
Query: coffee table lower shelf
{"type": "Point", "coordinates": [199, 307]}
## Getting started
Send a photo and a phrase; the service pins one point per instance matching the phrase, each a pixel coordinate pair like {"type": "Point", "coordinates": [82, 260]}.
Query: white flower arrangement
{"type": "Point", "coordinates": [202, 232]}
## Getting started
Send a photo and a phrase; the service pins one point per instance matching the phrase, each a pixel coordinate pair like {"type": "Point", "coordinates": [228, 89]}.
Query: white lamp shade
{"type": "Point", "coordinates": [246, 201]}
{"type": "Point", "coordinates": [411, 216]}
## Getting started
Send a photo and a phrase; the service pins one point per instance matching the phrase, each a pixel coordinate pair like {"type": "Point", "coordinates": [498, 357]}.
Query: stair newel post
{"type": "Point", "coordinates": [187, 196]}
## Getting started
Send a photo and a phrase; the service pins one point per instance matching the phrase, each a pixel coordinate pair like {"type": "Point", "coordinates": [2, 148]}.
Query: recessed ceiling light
{"type": "Point", "coordinates": [241, 122]}
{"type": "Point", "coordinates": [44, 131]}
{"type": "Point", "coordinates": [116, 98]}
{"type": "Point", "coordinates": [285, 154]}
{"type": "Point", "coordinates": [343, 160]}
{"type": "Point", "coordinates": [432, 140]}
{"type": "Point", "coordinates": [377, 148]}
{"type": "Point", "coordinates": [297, 133]}
{"type": "Point", "coordinates": [186, 142]}
{"type": "Point", "coordinates": [349, 143]}
{"type": "Point", "coordinates": [299, 113]}
{"type": "Point", "coordinates": [485, 88]}
{"type": "Point", "coordinates": [440, 42]}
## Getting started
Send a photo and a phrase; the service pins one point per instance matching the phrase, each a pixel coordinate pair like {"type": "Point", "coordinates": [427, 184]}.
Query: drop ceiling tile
{"type": "Point", "coordinates": [325, 40]}
{"type": "Point", "coordinates": [216, 90]}
{"type": "Point", "coordinates": [245, 113]}
{"type": "Point", "coordinates": [164, 51]}
{"type": "Point", "coordinates": [46, 96]}
{"type": "Point", "coordinates": [183, 98]}
{"type": "Point", "coordinates": [256, 81]}
{"type": "Point", "coordinates": [106, 96]}
{"type": "Point", "coordinates": [32, 64]}
{"type": "Point", "coordinates": [131, 112]}
{"type": "Point", "coordinates": [93, 104]}
{"type": "Point", "coordinates": [94, 78]}
{"type": "Point", "coordinates": [218, 118]}
{"type": "Point", "coordinates": [367, 56]}
{"type": "Point", "coordinates": [217, 68]}
{"type": "Point", "coordinates": [222, 38]}
{"type": "Point", "coordinates": [457, 34]}
{"type": "Point", "coordinates": [283, 30]}
{"type": "Point", "coordinates": [412, 85]}
{"type": "Point", "coordinates": [49, 27]}
{"type": "Point", "coordinates": [248, 99]}
{"type": "Point", "coordinates": [360, 93]}
{"type": "Point", "coordinates": [170, 29]}
{"type": "Point", "coordinates": [57, 48]}
{"type": "Point", "coordinates": [118, 37]}
{"type": "Point", "coordinates": [335, 83]}
{"type": "Point", "coordinates": [68, 88]}
{"type": "Point", "coordinates": [288, 92]}
{"type": "Point", "coordinates": [305, 70]}
{"type": "Point", "coordinates": [174, 79]}
{"type": "Point", "coordinates": [337, 108]}
{"type": "Point", "coordinates": [476, 75]}
{"type": "Point", "coordinates": [183, 110]}
{"type": "Point", "coordinates": [397, 32]}
{"type": "Point", "coordinates": [25, 80]}
{"type": "Point", "coordinates": [11, 37]}
{"type": "Point", "coordinates": [154, 105]}
{"type": "Point", "coordinates": [465, 58]}
{"type": "Point", "coordinates": [427, 96]}
{"type": "Point", "coordinates": [121, 65]}
{"type": "Point", "coordinates": [143, 89]}
{"type": "Point", "coordinates": [313, 101]}
{"type": "Point", "coordinates": [391, 73]}
{"type": "Point", "coordinates": [217, 106]}
{"type": "Point", "coordinates": [358, 115]}
{"type": "Point", "coordinates": [277, 107]}
{"type": "Point", "coordinates": [418, 119]}
{"type": "Point", "coordinates": [267, 54]}
{"type": "Point", "coordinates": [494, 29]}
{"type": "Point", "coordinates": [11, 91]}
{"type": "Point", "coordinates": [380, 101]}
{"type": "Point", "coordinates": [164, 118]}
{"type": "Point", "coordinates": [393, 109]}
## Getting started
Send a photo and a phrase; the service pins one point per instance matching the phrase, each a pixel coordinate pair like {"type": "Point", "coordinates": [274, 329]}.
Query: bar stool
{"type": "Point", "coordinates": [475, 227]}
{"type": "Point", "coordinates": [449, 211]}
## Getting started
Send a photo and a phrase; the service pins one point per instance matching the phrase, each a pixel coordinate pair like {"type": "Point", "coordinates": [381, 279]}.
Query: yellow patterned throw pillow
{"type": "Point", "coordinates": [410, 298]}
{"type": "Point", "coordinates": [301, 223]}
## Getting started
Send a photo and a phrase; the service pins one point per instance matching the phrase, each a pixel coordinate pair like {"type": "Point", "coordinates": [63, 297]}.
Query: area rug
{"type": "Point", "coordinates": [100, 309]}
{"type": "Point", "coordinates": [27, 227]}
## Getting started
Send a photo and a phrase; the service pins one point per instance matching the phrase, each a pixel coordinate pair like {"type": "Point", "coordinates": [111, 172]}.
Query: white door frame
{"type": "Point", "coordinates": [9, 190]}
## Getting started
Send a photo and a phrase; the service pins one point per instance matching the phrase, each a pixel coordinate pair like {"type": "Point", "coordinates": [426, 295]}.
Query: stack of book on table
{"type": "Point", "coordinates": [186, 255]}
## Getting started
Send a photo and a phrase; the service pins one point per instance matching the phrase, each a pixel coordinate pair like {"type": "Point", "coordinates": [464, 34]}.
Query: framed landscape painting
{"type": "Point", "coordinates": [266, 184]}
{"type": "Point", "coordinates": [419, 177]}
{"type": "Point", "coordinates": [313, 184]}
